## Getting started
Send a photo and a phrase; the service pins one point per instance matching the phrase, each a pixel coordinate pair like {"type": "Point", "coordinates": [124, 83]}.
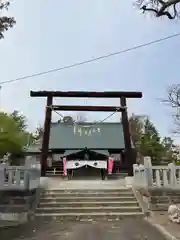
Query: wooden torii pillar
{"type": "Point", "coordinates": [129, 158]}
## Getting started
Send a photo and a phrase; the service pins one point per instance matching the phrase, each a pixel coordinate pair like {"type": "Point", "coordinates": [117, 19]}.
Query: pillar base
{"type": "Point", "coordinates": [43, 172]}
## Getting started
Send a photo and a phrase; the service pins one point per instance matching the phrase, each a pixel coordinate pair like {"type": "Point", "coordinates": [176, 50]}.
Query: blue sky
{"type": "Point", "coordinates": [52, 34]}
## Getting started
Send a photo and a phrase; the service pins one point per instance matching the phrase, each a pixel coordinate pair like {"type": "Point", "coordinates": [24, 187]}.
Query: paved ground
{"type": "Point", "coordinates": [85, 184]}
{"type": "Point", "coordinates": [128, 229]}
{"type": "Point", "coordinates": [161, 218]}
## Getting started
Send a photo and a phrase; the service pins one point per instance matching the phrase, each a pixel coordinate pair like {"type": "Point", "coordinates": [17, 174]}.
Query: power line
{"type": "Point", "coordinates": [91, 60]}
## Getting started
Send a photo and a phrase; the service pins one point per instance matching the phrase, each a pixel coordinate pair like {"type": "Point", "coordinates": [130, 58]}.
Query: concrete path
{"type": "Point", "coordinates": [161, 219]}
{"type": "Point", "coordinates": [128, 229]}
{"type": "Point", "coordinates": [57, 183]}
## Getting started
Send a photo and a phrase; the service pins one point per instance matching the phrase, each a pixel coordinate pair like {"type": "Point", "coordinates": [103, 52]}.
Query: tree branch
{"type": "Point", "coordinates": [173, 100]}
{"type": "Point", "coordinates": [5, 22]}
{"type": "Point", "coordinates": [160, 7]}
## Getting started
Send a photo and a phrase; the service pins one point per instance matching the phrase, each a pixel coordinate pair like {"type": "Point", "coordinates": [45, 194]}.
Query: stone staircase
{"type": "Point", "coordinates": [83, 204]}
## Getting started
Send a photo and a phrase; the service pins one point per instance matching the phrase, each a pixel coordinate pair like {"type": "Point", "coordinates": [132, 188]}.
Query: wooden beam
{"type": "Point", "coordinates": [88, 108]}
{"type": "Point", "coordinates": [80, 94]}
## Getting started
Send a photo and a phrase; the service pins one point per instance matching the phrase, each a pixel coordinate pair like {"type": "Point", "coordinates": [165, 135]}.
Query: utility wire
{"type": "Point", "coordinates": [91, 60]}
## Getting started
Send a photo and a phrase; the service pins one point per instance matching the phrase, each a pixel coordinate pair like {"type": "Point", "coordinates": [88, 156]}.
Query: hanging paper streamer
{"type": "Point", "coordinates": [64, 167]}
{"type": "Point", "coordinates": [110, 165]}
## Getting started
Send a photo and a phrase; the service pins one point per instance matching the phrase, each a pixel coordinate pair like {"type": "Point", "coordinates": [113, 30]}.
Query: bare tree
{"type": "Point", "coordinates": [136, 127]}
{"type": "Point", "coordinates": [5, 22]}
{"type": "Point", "coordinates": [173, 100]}
{"type": "Point", "coordinates": [168, 8]}
{"type": "Point", "coordinates": [39, 132]}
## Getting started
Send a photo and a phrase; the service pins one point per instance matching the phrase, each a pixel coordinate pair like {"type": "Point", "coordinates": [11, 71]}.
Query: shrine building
{"type": "Point", "coordinates": [84, 150]}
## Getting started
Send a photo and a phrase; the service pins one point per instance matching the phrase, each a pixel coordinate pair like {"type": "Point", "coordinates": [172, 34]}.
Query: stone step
{"type": "Point", "coordinates": [89, 217]}
{"type": "Point", "coordinates": [87, 204]}
{"type": "Point", "coordinates": [114, 176]}
{"type": "Point", "coordinates": [87, 199]}
{"type": "Point", "coordinates": [87, 194]}
{"type": "Point", "coordinates": [108, 209]}
{"type": "Point", "coordinates": [84, 191]}
{"type": "Point", "coordinates": [13, 208]}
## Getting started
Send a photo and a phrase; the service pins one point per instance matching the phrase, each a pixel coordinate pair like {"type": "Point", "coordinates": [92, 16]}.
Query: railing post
{"type": "Point", "coordinates": [140, 177]}
{"type": "Point", "coordinates": [148, 170]}
{"type": "Point", "coordinates": [165, 178]}
{"type": "Point", "coordinates": [158, 179]}
{"type": "Point", "coordinates": [17, 177]}
{"type": "Point", "coordinates": [135, 174]}
{"type": "Point", "coordinates": [172, 169]}
{"type": "Point", "coordinates": [143, 172]}
{"type": "Point", "coordinates": [26, 179]}
{"type": "Point", "coordinates": [2, 176]}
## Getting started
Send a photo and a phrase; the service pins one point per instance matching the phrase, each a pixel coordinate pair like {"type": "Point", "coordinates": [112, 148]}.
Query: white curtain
{"type": "Point", "coordinates": [97, 164]}
{"type": "Point", "coordinates": [73, 164]}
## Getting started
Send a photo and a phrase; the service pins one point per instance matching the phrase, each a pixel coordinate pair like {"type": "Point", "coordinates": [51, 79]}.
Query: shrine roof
{"type": "Point", "coordinates": [106, 135]}
{"type": "Point", "coordinates": [70, 152]}
{"type": "Point", "coordinates": [65, 136]}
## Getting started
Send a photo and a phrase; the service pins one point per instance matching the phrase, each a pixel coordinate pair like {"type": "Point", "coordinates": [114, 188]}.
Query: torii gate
{"type": "Point", "coordinates": [130, 158]}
